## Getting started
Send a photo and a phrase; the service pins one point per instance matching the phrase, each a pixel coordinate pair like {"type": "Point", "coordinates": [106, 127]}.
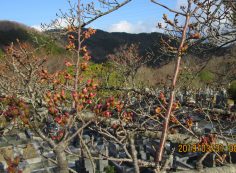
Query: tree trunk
{"type": "Point", "coordinates": [62, 163]}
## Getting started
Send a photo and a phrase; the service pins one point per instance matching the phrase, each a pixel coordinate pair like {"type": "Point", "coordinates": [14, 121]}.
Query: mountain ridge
{"type": "Point", "coordinates": [104, 43]}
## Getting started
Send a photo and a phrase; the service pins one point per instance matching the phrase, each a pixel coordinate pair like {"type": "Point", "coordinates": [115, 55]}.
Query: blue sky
{"type": "Point", "coordinates": [137, 16]}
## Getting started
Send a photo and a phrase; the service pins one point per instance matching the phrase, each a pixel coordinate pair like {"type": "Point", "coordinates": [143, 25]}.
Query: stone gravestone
{"type": "Point", "coordinates": [101, 164]}
{"type": "Point", "coordinates": [142, 152]}
{"type": "Point", "coordinates": [113, 149]}
{"type": "Point", "coordinates": [233, 157]}
{"type": "Point", "coordinates": [2, 167]}
{"type": "Point", "coordinates": [209, 161]}
{"type": "Point", "coordinates": [224, 97]}
{"type": "Point", "coordinates": [218, 100]}
{"type": "Point", "coordinates": [76, 142]}
{"type": "Point", "coordinates": [88, 165]}
{"type": "Point", "coordinates": [28, 134]}
{"type": "Point", "coordinates": [181, 98]}
{"type": "Point", "coordinates": [80, 166]}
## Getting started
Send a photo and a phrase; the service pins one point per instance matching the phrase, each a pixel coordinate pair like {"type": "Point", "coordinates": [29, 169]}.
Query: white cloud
{"type": "Point", "coordinates": [37, 27]}
{"type": "Point", "coordinates": [138, 27]}
{"type": "Point", "coordinates": [122, 26]}
{"type": "Point", "coordinates": [55, 24]}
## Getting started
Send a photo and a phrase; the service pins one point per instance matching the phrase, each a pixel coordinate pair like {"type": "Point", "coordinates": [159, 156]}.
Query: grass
{"type": "Point", "coordinates": [1, 53]}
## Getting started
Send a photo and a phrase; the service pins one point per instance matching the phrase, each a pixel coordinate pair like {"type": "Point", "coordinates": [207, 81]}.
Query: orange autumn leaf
{"type": "Point", "coordinates": [184, 48]}
{"type": "Point", "coordinates": [195, 36]}
{"type": "Point", "coordinates": [84, 66]}
{"type": "Point", "coordinates": [71, 37]}
{"type": "Point", "coordinates": [84, 49]}
{"type": "Point", "coordinates": [158, 110]}
{"type": "Point", "coordinates": [175, 106]}
{"type": "Point", "coordinates": [189, 123]}
{"type": "Point", "coordinates": [174, 120]}
{"type": "Point", "coordinates": [16, 160]}
{"type": "Point", "coordinates": [25, 120]}
{"type": "Point", "coordinates": [68, 64]}
{"type": "Point", "coordinates": [63, 95]}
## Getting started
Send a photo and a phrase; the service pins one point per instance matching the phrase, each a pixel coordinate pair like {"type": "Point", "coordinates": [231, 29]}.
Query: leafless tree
{"type": "Point", "coordinates": [127, 61]}
{"type": "Point", "coordinates": [193, 23]}
{"type": "Point", "coordinates": [24, 76]}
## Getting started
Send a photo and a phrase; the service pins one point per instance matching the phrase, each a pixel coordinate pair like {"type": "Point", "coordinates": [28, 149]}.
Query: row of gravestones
{"type": "Point", "coordinates": [143, 147]}
{"type": "Point", "coordinates": [204, 98]}
{"type": "Point", "coordinates": [145, 152]}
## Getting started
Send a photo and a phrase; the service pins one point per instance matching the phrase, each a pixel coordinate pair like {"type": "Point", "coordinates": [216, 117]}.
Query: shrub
{"type": "Point", "coordinates": [109, 169]}
{"type": "Point", "coordinates": [206, 77]}
{"type": "Point", "coordinates": [232, 90]}
{"type": "Point", "coordinates": [1, 53]}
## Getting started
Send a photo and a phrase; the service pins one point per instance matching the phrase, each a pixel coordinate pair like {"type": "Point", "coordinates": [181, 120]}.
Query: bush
{"type": "Point", "coordinates": [232, 90]}
{"type": "Point", "coordinates": [206, 77]}
{"type": "Point", "coordinates": [105, 73]}
{"type": "Point", "coordinates": [109, 169]}
{"type": "Point", "coordinates": [1, 53]}
{"type": "Point", "coordinates": [50, 45]}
